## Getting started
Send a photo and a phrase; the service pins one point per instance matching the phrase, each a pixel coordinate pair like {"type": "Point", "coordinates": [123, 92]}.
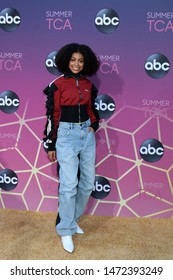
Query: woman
{"type": "Point", "coordinates": [72, 121]}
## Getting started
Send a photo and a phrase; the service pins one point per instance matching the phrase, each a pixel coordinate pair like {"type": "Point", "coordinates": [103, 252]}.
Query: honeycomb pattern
{"type": "Point", "coordinates": [134, 183]}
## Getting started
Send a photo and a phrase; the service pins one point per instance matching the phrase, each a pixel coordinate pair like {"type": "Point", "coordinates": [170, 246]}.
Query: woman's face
{"type": "Point", "coordinates": [76, 63]}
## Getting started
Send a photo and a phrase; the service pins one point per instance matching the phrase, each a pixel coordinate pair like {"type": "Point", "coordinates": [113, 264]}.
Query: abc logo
{"type": "Point", "coordinates": [9, 102]}
{"type": "Point", "coordinates": [151, 150]}
{"type": "Point", "coordinates": [101, 188]}
{"type": "Point", "coordinates": [107, 20]}
{"type": "Point", "coordinates": [9, 19]}
{"type": "Point", "coordinates": [157, 66]}
{"type": "Point", "coordinates": [8, 179]}
{"type": "Point", "coordinates": [105, 106]}
{"type": "Point", "coordinates": [50, 63]}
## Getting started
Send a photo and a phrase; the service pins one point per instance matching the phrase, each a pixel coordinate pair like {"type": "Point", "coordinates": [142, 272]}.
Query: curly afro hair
{"type": "Point", "coordinates": [62, 59]}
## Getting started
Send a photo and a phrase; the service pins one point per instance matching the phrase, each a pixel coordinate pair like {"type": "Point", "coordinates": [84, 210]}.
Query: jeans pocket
{"type": "Point", "coordinates": [63, 131]}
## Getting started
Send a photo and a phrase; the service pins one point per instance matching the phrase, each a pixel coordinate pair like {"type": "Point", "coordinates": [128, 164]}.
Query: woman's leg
{"type": "Point", "coordinates": [87, 173]}
{"type": "Point", "coordinates": [67, 156]}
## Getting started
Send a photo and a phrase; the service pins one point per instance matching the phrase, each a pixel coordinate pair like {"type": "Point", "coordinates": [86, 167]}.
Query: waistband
{"type": "Point", "coordinates": [74, 113]}
{"type": "Point", "coordinates": [72, 124]}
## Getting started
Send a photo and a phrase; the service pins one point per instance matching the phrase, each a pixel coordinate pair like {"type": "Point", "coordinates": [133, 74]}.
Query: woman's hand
{"type": "Point", "coordinates": [52, 155]}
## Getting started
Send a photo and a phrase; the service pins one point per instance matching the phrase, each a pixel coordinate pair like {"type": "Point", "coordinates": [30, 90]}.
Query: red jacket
{"type": "Point", "coordinates": [71, 99]}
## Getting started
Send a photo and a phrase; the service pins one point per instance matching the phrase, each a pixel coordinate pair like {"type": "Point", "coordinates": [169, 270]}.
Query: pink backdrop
{"type": "Point", "coordinates": [134, 168]}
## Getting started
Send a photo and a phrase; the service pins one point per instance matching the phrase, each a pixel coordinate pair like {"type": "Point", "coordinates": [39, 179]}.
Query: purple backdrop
{"type": "Point", "coordinates": [134, 170]}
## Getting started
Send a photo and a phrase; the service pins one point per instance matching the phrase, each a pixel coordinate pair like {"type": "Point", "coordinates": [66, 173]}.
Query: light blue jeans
{"type": "Point", "coordinates": [75, 148]}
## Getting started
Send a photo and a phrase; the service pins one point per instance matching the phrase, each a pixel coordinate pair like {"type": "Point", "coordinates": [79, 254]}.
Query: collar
{"type": "Point", "coordinates": [70, 74]}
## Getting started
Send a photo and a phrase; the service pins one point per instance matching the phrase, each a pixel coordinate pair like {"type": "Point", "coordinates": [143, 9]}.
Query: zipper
{"type": "Point", "coordinates": [79, 112]}
{"type": "Point", "coordinates": [80, 98]}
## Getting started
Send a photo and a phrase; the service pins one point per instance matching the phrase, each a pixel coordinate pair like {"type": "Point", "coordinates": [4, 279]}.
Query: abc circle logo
{"type": "Point", "coordinates": [9, 102]}
{"type": "Point", "coordinates": [8, 179]}
{"type": "Point", "coordinates": [50, 63]}
{"type": "Point", "coordinates": [105, 106]}
{"type": "Point", "coordinates": [107, 20]}
{"type": "Point", "coordinates": [151, 150]}
{"type": "Point", "coordinates": [101, 188]}
{"type": "Point", "coordinates": [9, 19]}
{"type": "Point", "coordinates": [157, 66]}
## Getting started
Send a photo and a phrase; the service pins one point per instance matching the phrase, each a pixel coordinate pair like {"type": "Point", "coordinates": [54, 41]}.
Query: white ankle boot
{"type": "Point", "coordinates": [79, 230]}
{"type": "Point", "coordinates": [67, 243]}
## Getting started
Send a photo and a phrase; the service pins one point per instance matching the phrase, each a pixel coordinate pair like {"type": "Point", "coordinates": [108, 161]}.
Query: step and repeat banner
{"type": "Point", "coordinates": [134, 43]}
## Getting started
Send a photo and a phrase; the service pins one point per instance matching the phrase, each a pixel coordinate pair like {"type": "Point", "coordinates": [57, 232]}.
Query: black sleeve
{"type": "Point", "coordinates": [49, 139]}
{"type": "Point", "coordinates": [94, 92]}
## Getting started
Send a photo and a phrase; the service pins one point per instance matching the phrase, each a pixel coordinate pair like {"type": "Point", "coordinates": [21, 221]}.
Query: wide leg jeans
{"type": "Point", "coordinates": [76, 150]}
